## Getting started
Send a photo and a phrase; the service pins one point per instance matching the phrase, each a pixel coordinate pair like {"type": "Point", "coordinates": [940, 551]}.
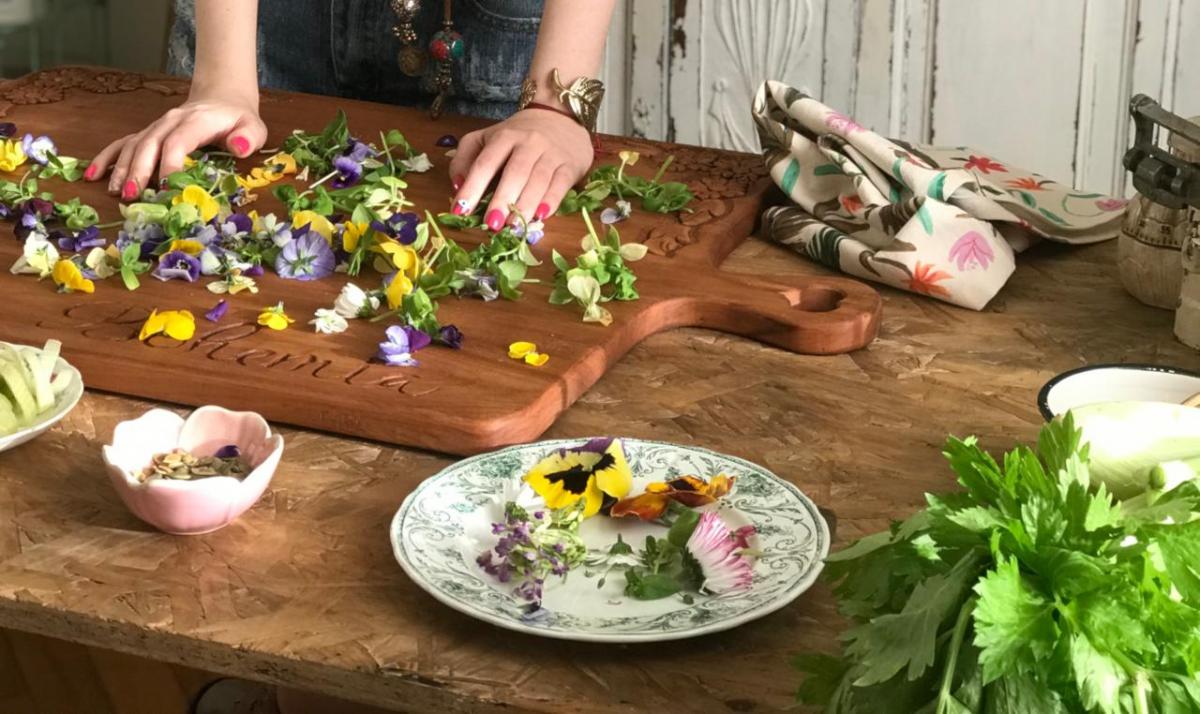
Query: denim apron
{"type": "Point", "coordinates": [345, 48]}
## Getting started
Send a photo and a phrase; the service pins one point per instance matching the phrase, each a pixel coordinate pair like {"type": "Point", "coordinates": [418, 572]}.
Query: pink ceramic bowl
{"type": "Point", "coordinates": [202, 505]}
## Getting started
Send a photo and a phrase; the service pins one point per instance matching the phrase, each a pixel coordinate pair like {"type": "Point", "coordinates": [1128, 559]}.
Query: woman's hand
{"type": "Point", "coordinates": [206, 118]}
{"type": "Point", "coordinates": [537, 154]}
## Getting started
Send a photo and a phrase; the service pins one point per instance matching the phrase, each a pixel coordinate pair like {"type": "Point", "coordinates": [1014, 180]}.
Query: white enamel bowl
{"type": "Point", "coordinates": [1116, 383]}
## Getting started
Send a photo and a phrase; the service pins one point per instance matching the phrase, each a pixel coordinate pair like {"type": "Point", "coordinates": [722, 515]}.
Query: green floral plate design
{"type": "Point", "coordinates": [444, 524]}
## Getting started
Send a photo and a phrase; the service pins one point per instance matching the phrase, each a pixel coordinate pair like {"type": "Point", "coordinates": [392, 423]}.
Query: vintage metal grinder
{"type": "Point", "coordinates": [1159, 251]}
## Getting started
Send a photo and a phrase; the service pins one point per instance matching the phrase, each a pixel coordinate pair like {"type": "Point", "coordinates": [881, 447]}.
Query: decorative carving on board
{"type": "Point", "coordinates": [667, 240]}
{"type": "Point", "coordinates": [52, 85]}
{"type": "Point", "coordinates": [716, 175]}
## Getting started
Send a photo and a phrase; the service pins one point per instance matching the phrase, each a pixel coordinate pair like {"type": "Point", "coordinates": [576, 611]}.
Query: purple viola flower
{"type": "Point", "coordinates": [229, 451]}
{"type": "Point", "coordinates": [177, 265]}
{"type": "Point", "coordinates": [451, 337]}
{"type": "Point", "coordinates": [478, 283]}
{"type": "Point", "coordinates": [241, 223]}
{"type": "Point", "coordinates": [5, 211]}
{"type": "Point", "coordinates": [349, 172]}
{"type": "Point", "coordinates": [532, 231]}
{"type": "Point", "coordinates": [38, 148]}
{"type": "Point", "coordinates": [218, 311]}
{"type": "Point", "coordinates": [32, 215]}
{"type": "Point", "coordinates": [307, 257]}
{"type": "Point", "coordinates": [401, 226]}
{"type": "Point", "coordinates": [359, 152]}
{"type": "Point", "coordinates": [7, 129]}
{"type": "Point", "coordinates": [254, 271]}
{"type": "Point", "coordinates": [85, 239]}
{"type": "Point", "coordinates": [402, 341]}
{"type": "Point", "coordinates": [447, 141]}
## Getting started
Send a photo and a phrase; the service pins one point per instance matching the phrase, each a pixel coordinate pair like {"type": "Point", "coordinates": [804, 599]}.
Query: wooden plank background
{"type": "Point", "coordinates": [1044, 85]}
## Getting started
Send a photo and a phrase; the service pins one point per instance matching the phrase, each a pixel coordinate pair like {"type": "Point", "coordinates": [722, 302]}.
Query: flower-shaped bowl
{"type": "Point", "coordinates": [200, 505]}
{"type": "Point", "coordinates": [62, 406]}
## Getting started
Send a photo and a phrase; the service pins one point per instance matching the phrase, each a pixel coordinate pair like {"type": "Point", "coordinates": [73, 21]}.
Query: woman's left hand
{"type": "Point", "coordinates": [537, 154]}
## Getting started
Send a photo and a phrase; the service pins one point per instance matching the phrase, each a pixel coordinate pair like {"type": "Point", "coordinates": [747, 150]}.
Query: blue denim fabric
{"type": "Point", "coordinates": [345, 48]}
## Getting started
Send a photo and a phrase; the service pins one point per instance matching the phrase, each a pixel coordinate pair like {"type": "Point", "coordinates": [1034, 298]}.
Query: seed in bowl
{"type": "Point", "coordinates": [181, 465]}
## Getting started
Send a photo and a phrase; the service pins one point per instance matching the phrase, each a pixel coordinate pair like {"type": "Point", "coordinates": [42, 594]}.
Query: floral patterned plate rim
{"type": "Point", "coordinates": [432, 537]}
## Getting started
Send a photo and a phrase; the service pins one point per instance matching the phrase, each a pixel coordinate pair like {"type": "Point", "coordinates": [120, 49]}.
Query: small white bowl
{"type": "Point", "coordinates": [65, 403]}
{"type": "Point", "coordinates": [1116, 383]}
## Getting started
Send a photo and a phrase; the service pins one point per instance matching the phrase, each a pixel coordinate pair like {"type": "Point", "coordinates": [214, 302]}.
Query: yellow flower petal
{"type": "Point", "coordinates": [629, 157]}
{"type": "Point", "coordinates": [275, 318]}
{"type": "Point", "coordinates": [397, 289]}
{"type": "Point", "coordinates": [11, 155]}
{"type": "Point", "coordinates": [68, 276]}
{"type": "Point", "coordinates": [152, 326]}
{"type": "Point", "coordinates": [198, 197]}
{"type": "Point", "coordinates": [282, 163]}
{"type": "Point", "coordinates": [518, 350]}
{"type": "Point", "coordinates": [537, 359]}
{"type": "Point", "coordinates": [352, 235]}
{"type": "Point", "coordinates": [401, 257]}
{"type": "Point", "coordinates": [180, 325]}
{"type": "Point", "coordinates": [316, 222]}
{"type": "Point", "coordinates": [191, 247]}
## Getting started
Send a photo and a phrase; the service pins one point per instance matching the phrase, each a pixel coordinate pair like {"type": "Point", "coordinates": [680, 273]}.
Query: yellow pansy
{"type": "Point", "coordinates": [352, 234]}
{"type": "Point", "coordinates": [255, 221]}
{"type": "Point", "coordinates": [274, 318]}
{"type": "Point", "coordinates": [281, 164]}
{"type": "Point", "coordinates": [176, 324]}
{"type": "Point", "coordinates": [11, 155]}
{"type": "Point", "coordinates": [399, 257]}
{"type": "Point", "coordinates": [68, 277]}
{"type": "Point", "coordinates": [206, 205]}
{"type": "Point", "coordinates": [589, 472]}
{"type": "Point", "coordinates": [254, 180]}
{"type": "Point", "coordinates": [629, 157]}
{"type": "Point", "coordinates": [188, 162]}
{"type": "Point", "coordinates": [527, 352]}
{"type": "Point", "coordinates": [191, 247]}
{"type": "Point", "coordinates": [315, 222]}
{"type": "Point", "coordinates": [397, 289]}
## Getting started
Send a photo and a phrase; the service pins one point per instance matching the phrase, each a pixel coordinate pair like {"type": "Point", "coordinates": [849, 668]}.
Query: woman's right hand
{"type": "Point", "coordinates": [206, 118]}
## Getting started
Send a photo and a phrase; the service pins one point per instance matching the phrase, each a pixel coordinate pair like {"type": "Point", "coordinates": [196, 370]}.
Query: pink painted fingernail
{"type": "Point", "coordinates": [91, 172]}
{"type": "Point", "coordinates": [457, 182]}
{"type": "Point", "coordinates": [460, 208]}
{"type": "Point", "coordinates": [130, 190]}
{"type": "Point", "coordinates": [240, 145]}
{"type": "Point", "coordinates": [495, 220]}
{"type": "Point", "coordinates": [542, 211]}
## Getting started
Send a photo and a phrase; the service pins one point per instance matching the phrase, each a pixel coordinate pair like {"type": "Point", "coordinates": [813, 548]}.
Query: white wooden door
{"type": "Point", "coordinates": [1042, 84]}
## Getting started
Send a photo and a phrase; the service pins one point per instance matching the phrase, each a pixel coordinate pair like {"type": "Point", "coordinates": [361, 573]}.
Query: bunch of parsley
{"type": "Point", "coordinates": [1030, 591]}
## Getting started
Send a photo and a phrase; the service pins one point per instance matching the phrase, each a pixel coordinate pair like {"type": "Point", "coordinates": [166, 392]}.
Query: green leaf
{"type": "Point", "coordinates": [1022, 694]}
{"type": "Point", "coordinates": [1098, 676]}
{"type": "Point", "coordinates": [681, 530]}
{"type": "Point", "coordinates": [823, 675]}
{"type": "Point", "coordinates": [1014, 624]}
{"type": "Point", "coordinates": [1179, 547]}
{"type": "Point", "coordinates": [649, 586]}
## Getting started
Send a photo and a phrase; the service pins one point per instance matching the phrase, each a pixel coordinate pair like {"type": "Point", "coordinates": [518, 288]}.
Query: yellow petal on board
{"type": "Point", "coordinates": [518, 350]}
{"type": "Point", "coordinates": [67, 275]}
{"type": "Point", "coordinates": [180, 325]}
{"type": "Point", "coordinates": [537, 359]}
{"type": "Point", "coordinates": [282, 163]}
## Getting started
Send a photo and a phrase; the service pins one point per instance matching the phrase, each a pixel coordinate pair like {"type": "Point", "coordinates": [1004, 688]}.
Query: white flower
{"type": "Point", "coordinates": [418, 164]}
{"type": "Point", "coordinates": [328, 322]}
{"type": "Point", "coordinates": [353, 302]}
{"type": "Point", "coordinates": [38, 257]}
{"type": "Point", "coordinates": [97, 259]}
{"type": "Point", "coordinates": [233, 285]}
{"type": "Point", "coordinates": [210, 264]}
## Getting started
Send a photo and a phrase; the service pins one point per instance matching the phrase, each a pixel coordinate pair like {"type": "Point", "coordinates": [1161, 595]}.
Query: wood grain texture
{"type": "Point", "coordinates": [461, 401]}
{"type": "Point", "coordinates": [303, 588]}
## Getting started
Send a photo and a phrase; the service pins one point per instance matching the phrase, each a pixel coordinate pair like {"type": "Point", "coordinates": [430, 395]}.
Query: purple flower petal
{"type": "Point", "coordinates": [254, 271]}
{"type": "Point", "coordinates": [230, 451]}
{"type": "Point", "coordinates": [218, 311]}
{"type": "Point", "coordinates": [177, 265]}
{"type": "Point", "coordinates": [7, 129]}
{"type": "Point", "coordinates": [307, 257]}
{"type": "Point", "coordinates": [417, 340]}
{"type": "Point", "coordinates": [451, 336]}
{"type": "Point", "coordinates": [447, 141]}
{"type": "Point", "coordinates": [241, 222]}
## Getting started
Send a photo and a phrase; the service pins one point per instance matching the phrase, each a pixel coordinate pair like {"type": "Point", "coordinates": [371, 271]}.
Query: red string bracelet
{"type": "Point", "coordinates": [564, 112]}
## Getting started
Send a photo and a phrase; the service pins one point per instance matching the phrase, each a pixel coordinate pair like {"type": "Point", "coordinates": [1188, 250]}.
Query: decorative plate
{"type": "Point", "coordinates": [436, 536]}
{"type": "Point", "coordinates": [62, 405]}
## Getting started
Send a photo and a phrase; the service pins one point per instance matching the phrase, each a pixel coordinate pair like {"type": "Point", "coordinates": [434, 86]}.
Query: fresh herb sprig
{"type": "Point", "coordinates": [657, 196]}
{"type": "Point", "coordinates": [600, 274]}
{"type": "Point", "coordinates": [506, 257]}
{"type": "Point", "coordinates": [1029, 591]}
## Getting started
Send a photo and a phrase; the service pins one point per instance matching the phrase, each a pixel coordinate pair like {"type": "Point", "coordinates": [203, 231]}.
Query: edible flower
{"type": "Point", "coordinates": [451, 337]}
{"type": "Point", "coordinates": [83, 240]}
{"type": "Point", "coordinates": [70, 279]}
{"type": "Point", "coordinates": [274, 318]}
{"type": "Point", "coordinates": [609, 216]}
{"type": "Point", "coordinates": [7, 129]}
{"type": "Point", "coordinates": [401, 226]}
{"type": "Point", "coordinates": [315, 222]}
{"type": "Point", "coordinates": [205, 204]}
{"type": "Point", "coordinates": [348, 167]}
{"type": "Point", "coordinates": [717, 550]}
{"type": "Point", "coordinates": [532, 232]}
{"type": "Point", "coordinates": [233, 284]}
{"type": "Point", "coordinates": [418, 164]}
{"type": "Point", "coordinates": [11, 155]}
{"type": "Point", "coordinates": [257, 178]}
{"type": "Point", "coordinates": [353, 302]}
{"type": "Point", "coordinates": [352, 234]}
{"type": "Point", "coordinates": [596, 472]}
{"type": "Point", "coordinates": [37, 258]}
{"type": "Point", "coordinates": [32, 216]}
{"type": "Point", "coordinates": [527, 352]}
{"type": "Point", "coordinates": [531, 546]}
{"type": "Point", "coordinates": [177, 265]}
{"type": "Point", "coordinates": [187, 245]}
{"type": "Point", "coordinates": [176, 324]}
{"type": "Point", "coordinates": [102, 264]}
{"type": "Point", "coordinates": [395, 256]}
{"type": "Point", "coordinates": [280, 165]}
{"type": "Point", "coordinates": [307, 257]}
{"type": "Point", "coordinates": [397, 285]}
{"type": "Point", "coordinates": [39, 149]}
{"type": "Point", "coordinates": [328, 322]}
{"type": "Point", "coordinates": [447, 141]}
{"type": "Point", "coordinates": [217, 312]}
{"type": "Point", "coordinates": [402, 341]}
{"type": "Point", "coordinates": [689, 491]}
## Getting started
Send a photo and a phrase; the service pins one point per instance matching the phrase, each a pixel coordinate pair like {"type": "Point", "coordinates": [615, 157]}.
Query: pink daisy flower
{"type": "Point", "coordinates": [718, 551]}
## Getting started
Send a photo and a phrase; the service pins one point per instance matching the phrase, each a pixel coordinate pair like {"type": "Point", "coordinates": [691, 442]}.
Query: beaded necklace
{"type": "Point", "coordinates": [445, 47]}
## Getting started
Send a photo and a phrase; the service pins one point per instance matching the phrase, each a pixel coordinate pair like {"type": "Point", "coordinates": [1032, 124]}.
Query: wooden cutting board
{"type": "Point", "coordinates": [459, 402]}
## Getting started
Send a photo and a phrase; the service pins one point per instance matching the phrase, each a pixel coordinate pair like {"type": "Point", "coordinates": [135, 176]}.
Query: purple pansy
{"type": "Point", "coordinates": [532, 231]}
{"type": "Point", "coordinates": [229, 451]}
{"type": "Point", "coordinates": [236, 224]}
{"type": "Point", "coordinates": [254, 271]}
{"type": "Point", "coordinates": [32, 216]}
{"type": "Point", "coordinates": [177, 265]}
{"type": "Point", "coordinates": [38, 148]}
{"type": "Point", "coordinates": [402, 341]}
{"type": "Point", "coordinates": [85, 239]}
{"type": "Point", "coordinates": [7, 129]}
{"type": "Point", "coordinates": [451, 337]}
{"type": "Point", "coordinates": [401, 226]}
{"type": "Point", "coordinates": [307, 257]}
{"type": "Point", "coordinates": [218, 311]}
{"type": "Point", "coordinates": [349, 172]}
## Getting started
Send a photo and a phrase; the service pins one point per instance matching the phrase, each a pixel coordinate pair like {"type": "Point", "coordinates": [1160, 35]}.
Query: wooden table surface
{"type": "Point", "coordinates": [303, 589]}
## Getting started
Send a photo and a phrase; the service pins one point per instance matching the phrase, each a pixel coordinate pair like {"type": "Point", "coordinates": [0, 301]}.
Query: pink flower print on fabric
{"type": "Point", "coordinates": [971, 250]}
{"type": "Point", "coordinates": [840, 122]}
{"type": "Point", "coordinates": [1111, 204]}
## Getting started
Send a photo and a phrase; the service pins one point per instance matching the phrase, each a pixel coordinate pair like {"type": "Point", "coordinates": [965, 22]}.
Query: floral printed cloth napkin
{"type": "Point", "coordinates": [945, 222]}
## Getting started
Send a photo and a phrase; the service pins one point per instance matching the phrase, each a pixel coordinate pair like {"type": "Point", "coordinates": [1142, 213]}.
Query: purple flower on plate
{"type": "Point", "coordinates": [85, 239]}
{"type": "Point", "coordinates": [218, 311]}
{"type": "Point", "coordinates": [7, 129]}
{"type": "Point", "coordinates": [307, 257]}
{"type": "Point", "coordinates": [229, 451]}
{"type": "Point", "coordinates": [38, 148]}
{"type": "Point", "coordinates": [402, 341]}
{"type": "Point", "coordinates": [451, 337]}
{"type": "Point", "coordinates": [401, 226]}
{"type": "Point", "coordinates": [447, 141]}
{"type": "Point", "coordinates": [177, 265]}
